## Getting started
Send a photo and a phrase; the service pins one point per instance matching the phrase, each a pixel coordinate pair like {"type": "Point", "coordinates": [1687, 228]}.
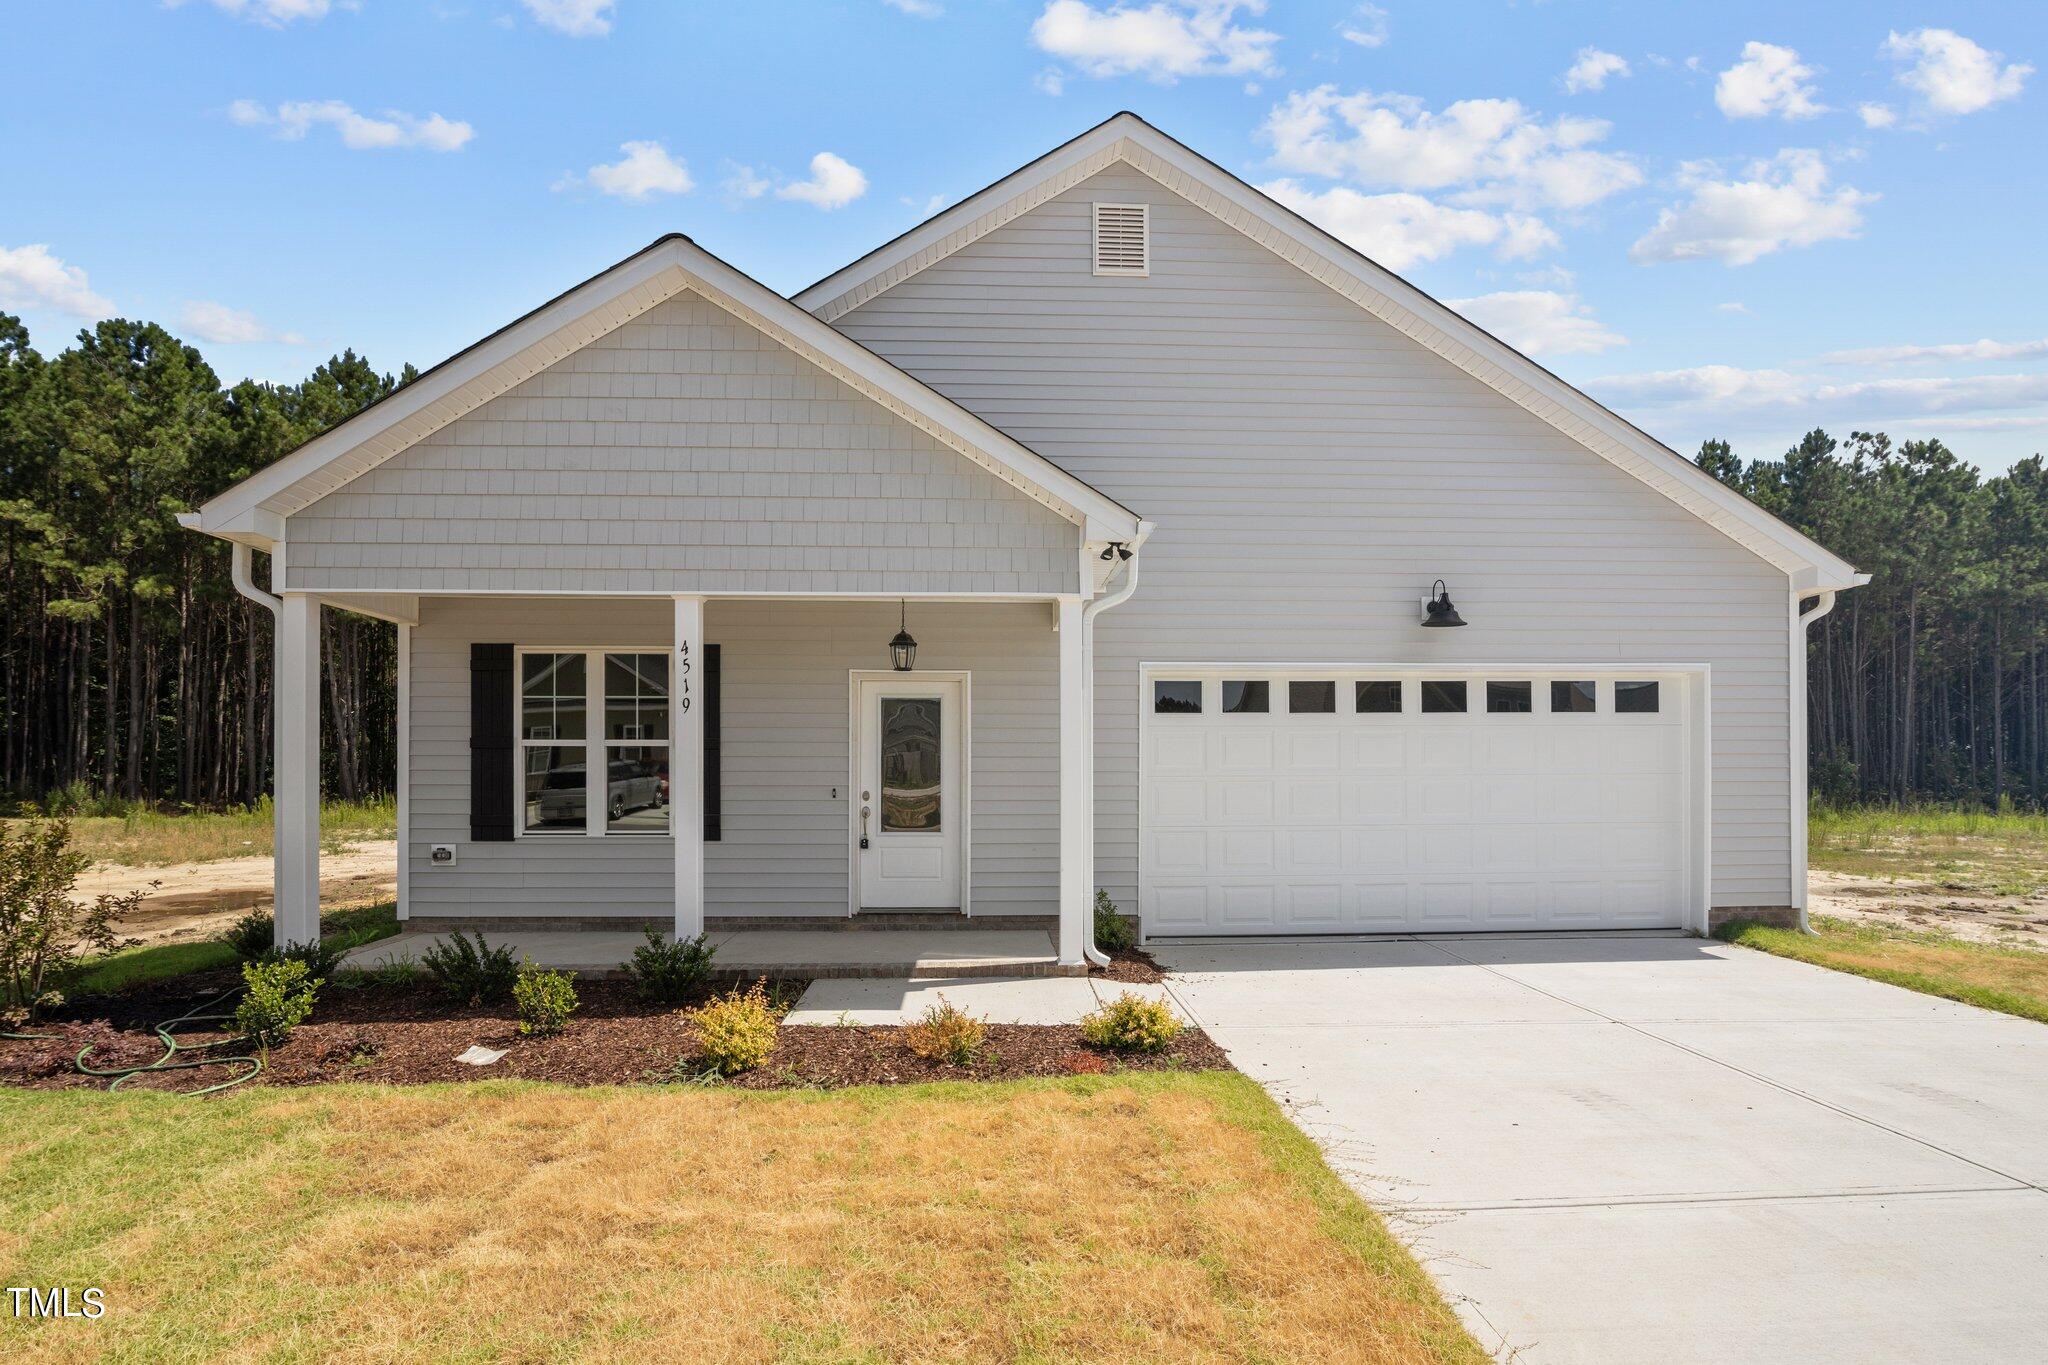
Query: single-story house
{"type": "Point", "coordinates": [1115, 528]}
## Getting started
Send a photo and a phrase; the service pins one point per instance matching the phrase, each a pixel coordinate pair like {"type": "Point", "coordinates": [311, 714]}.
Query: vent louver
{"type": "Point", "coordinates": [1121, 240]}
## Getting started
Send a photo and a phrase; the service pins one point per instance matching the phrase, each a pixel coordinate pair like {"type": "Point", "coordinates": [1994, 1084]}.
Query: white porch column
{"type": "Point", "coordinates": [1076, 727]}
{"type": "Point", "coordinates": [296, 698]}
{"type": "Point", "coordinates": [686, 764]}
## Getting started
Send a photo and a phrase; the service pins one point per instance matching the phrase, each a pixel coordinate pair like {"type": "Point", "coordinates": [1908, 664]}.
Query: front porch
{"type": "Point", "coordinates": [775, 953]}
{"type": "Point", "coordinates": [748, 767]}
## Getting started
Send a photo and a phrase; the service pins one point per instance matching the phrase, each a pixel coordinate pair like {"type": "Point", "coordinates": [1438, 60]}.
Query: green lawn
{"type": "Point", "coordinates": [162, 961]}
{"type": "Point", "coordinates": [2009, 980]}
{"type": "Point", "coordinates": [1140, 1217]}
{"type": "Point", "coordinates": [142, 837]}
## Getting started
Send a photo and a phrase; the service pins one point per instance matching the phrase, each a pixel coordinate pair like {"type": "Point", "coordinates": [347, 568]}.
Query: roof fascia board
{"type": "Point", "coordinates": [1393, 300]}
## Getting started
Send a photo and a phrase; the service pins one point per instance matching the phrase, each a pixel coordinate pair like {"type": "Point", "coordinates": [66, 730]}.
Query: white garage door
{"type": "Point", "coordinates": [1298, 802]}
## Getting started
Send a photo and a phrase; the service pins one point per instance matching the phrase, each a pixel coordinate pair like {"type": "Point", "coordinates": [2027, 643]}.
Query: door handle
{"type": "Point", "coordinates": [863, 826]}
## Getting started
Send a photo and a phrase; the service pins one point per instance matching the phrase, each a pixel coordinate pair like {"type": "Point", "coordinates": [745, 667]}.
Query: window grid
{"type": "Point", "coordinates": [558, 691]}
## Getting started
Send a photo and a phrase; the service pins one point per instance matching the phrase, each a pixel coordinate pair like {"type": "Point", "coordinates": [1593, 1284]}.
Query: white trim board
{"type": "Point", "coordinates": [254, 510]}
{"type": "Point", "coordinates": [1128, 139]}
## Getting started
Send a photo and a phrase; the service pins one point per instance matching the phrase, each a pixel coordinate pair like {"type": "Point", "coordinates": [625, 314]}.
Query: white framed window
{"type": "Point", "coordinates": [593, 731]}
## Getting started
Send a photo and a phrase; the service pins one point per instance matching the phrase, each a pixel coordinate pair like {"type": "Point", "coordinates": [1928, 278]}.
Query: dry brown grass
{"type": "Point", "coordinates": [2012, 980]}
{"type": "Point", "coordinates": [1116, 1218]}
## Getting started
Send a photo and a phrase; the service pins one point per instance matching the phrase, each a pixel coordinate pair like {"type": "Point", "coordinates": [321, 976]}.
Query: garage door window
{"type": "Point", "coordinates": [1509, 698]}
{"type": "Point", "coordinates": [1571, 696]}
{"type": "Point", "coordinates": [1176, 698]}
{"type": "Point", "coordinates": [1312, 698]}
{"type": "Point", "coordinates": [1635, 698]}
{"type": "Point", "coordinates": [1245, 697]}
{"type": "Point", "coordinates": [1440, 698]}
{"type": "Point", "coordinates": [1378, 698]}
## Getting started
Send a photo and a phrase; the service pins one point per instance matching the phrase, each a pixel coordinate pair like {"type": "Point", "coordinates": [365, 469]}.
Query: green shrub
{"type": "Point", "coordinates": [279, 998]}
{"type": "Point", "coordinates": [45, 935]}
{"type": "Point", "coordinates": [1132, 1023]}
{"type": "Point", "coordinates": [1113, 933]}
{"type": "Point", "coordinates": [545, 1000]}
{"type": "Point", "coordinates": [251, 936]}
{"type": "Point", "coordinates": [946, 1033]}
{"type": "Point", "coordinates": [669, 973]}
{"type": "Point", "coordinates": [321, 957]}
{"type": "Point", "coordinates": [736, 1031]}
{"type": "Point", "coordinates": [470, 970]}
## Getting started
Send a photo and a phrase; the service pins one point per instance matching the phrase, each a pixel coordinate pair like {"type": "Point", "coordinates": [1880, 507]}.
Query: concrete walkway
{"type": "Point", "coordinates": [995, 1000]}
{"type": "Point", "coordinates": [1631, 1148]}
{"type": "Point", "coordinates": [885, 953]}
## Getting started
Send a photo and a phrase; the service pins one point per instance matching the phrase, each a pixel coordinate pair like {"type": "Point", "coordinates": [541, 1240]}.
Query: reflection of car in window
{"type": "Point", "coordinates": [633, 784]}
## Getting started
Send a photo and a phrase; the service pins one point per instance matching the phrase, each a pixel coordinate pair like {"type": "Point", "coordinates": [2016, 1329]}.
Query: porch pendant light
{"type": "Point", "coordinates": [1438, 610]}
{"type": "Point", "coordinates": [903, 649]}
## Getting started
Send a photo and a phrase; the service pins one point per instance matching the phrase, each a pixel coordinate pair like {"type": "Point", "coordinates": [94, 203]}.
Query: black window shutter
{"type": "Point", "coordinates": [711, 744]}
{"type": "Point", "coordinates": [491, 743]}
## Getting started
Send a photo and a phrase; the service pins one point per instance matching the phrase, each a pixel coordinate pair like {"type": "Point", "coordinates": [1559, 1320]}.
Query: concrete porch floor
{"type": "Point", "coordinates": [911, 953]}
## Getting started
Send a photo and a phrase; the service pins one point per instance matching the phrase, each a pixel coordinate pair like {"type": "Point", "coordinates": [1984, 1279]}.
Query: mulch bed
{"type": "Point", "coordinates": [407, 1034]}
{"type": "Point", "coordinates": [1133, 964]}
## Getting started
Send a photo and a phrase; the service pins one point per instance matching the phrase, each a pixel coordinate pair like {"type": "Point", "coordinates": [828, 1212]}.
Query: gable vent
{"type": "Point", "coordinates": [1122, 240]}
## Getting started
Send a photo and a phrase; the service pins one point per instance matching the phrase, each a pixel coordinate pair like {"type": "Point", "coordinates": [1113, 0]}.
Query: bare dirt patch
{"type": "Point", "coordinates": [199, 900]}
{"type": "Point", "coordinates": [1974, 915]}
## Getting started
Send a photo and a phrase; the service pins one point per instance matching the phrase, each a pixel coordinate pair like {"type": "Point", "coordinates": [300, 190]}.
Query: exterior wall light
{"type": "Point", "coordinates": [903, 649]}
{"type": "Point", "coordinates": [1438, 611]}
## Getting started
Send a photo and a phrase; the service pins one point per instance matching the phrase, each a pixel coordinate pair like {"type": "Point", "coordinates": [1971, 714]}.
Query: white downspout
{"type": "Point", "coordinates": [1800, 795]}
{"type": "Point", "coordinates": [1089, 951]}
{"type": "Point", "coordinates": [241, 562]}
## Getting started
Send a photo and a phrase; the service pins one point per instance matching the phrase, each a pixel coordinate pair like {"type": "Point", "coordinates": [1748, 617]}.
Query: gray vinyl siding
{"type": "Point", "coordinates": [1311, 471]}
{"type": "Point", "coordinates": [784, 698]}
{"type": "Point", "coordinates": [682, 451]}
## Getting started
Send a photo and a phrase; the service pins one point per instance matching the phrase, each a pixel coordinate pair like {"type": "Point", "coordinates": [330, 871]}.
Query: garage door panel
{"type": "Point", "coordinates": [1389, 822]}
{"type": "Point", "coordinates": [1374, 800]}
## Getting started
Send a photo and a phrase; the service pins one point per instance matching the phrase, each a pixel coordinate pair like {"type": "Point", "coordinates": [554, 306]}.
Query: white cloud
{"type": "Point", "coordinates": [1767, 80]}
{"type": "Point", "coordinates": [1876, 115]}
{"type": "Point", "coordinates": [1162, 41]}
{"type": "Point", "coordinates": [1540, 322]}
{"type": "Point", "coordinates": [577, 18]}
{"type": "Point", "coordinates": [1952, 75]}
{"type": "Point", "coordinates": [1401, 230]}
{"type": "Point", "coordinates": [1724, 389]}
{"type": "Point", "coordinates": [1366, 26]}
{"type": "Point", "coordinates": [1961, 350]}
{"type": "Point", "coordinates": [1785, 201]}
{"type": "Point", "coordinates": [1493, 150]}
{"type": "Point", "coordinates": [834, 183]}
{"type": "Point", "coordinates": [295, 118]}
{"type": "Point", "coordinates": [921, 9]}
{"type": "Point", "coordinates": [743, 182]}
{"type": "Point", "coordinates": [1051, 81]}
{"type": "Point", "coordinates": [1591, 70]}
{"type": "Point", "coordinates": [30, 277]}
{"type": "Point", "coordinates": [217, 322]}
{"type": "Point", "coordinates": [644, 170]}
{"type": "Point", "coordinates": [274, 13]}
{"type": "Point", "coordinates": [1732, 307]}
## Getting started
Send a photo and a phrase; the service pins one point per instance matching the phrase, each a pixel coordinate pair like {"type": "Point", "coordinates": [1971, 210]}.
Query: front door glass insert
{"type": "Point", "coordinates": [910, 764]}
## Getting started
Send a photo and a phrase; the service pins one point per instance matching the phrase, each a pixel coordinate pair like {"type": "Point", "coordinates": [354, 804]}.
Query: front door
{"type": "Point", "coordinates": [909, 802]}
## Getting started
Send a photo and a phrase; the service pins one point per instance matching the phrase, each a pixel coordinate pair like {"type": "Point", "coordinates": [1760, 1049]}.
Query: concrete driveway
{"type": "Point", "coordinates": [1630, 1148]}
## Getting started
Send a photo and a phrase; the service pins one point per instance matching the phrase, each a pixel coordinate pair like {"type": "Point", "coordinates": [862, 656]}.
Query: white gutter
{"type": "Point", "coordinates": [240, 561]}
{"type": "Point", "coordinates": [1089, 950]}
{"type": "Point", "coordinates": [1800, 795]}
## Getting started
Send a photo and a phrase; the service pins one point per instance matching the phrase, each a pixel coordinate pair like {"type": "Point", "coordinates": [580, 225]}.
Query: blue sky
{"type": "Point", "coordinates": [1738, 219]}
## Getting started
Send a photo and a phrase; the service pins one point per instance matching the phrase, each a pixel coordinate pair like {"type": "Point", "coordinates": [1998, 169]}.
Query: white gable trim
{"type": "Point", "coordinates": [1129, 139]}
{"type": "Point", "coordinates": [254, 510]}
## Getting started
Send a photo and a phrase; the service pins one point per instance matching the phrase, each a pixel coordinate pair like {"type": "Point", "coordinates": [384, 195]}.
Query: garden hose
{"type": "Point", "coordinates": [165, 1032]}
